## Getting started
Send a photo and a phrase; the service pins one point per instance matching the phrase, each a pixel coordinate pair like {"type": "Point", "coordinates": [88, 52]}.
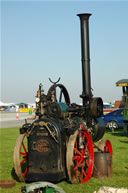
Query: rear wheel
{"type": "Point", "coordinates": [20, 157]}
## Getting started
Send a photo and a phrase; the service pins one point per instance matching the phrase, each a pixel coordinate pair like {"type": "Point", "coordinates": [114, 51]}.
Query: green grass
{"type": "Point", "coordinates": [120, 164]}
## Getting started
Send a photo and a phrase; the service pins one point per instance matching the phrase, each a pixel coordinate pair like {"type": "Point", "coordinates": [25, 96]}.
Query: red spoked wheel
{"type": "Point", "coordinates": [80, 157]}
{"type": "Point", "coordinates": [106, 146]}
{"type": "Point", "coordinates": [20, 157]}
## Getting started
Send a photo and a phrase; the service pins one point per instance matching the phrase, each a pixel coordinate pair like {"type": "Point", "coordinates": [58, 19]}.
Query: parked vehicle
{"type": "Point", "coordinates": [3, 108]}
{"type": "Point", "coordinates": [107, 108]}
{"type": "Point", "coordinates": [11, 108]}
{"type": "Point", "coordinates": [114, 119]}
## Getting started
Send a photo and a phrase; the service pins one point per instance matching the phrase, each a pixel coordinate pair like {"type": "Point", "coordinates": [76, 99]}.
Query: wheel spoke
{"type": "Point", "coordinates": [24, 147]}
{"type": "Point", "coordinates": [84, 172]}
{"type": "Point", "coordinates": [83, 167]}
{"type": "Point", "coordinates": [22, 153]}
{"type": "Point", "coordinates": [85, 148]}
{"type": "Point", "coordinates": [77, 164]}
{"type": "Point", "coordinates": [76, 157]}
{"type": "Point", "coordinates": [78, 152]}
{"type": "Point", "coordinates": [23, 161]}
{"type": "Point", "coordinates": [25, 172]}
{"type": "Point", "coordinates": [81, 177]}
{"type": "Point", "coordinates": [87, 163]}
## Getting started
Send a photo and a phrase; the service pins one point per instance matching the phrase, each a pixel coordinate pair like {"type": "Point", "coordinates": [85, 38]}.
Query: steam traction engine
{"type": "Point", "coordinates": [59, 143]}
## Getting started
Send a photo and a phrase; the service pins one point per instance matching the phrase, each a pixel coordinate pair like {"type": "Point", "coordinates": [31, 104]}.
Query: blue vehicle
{"type": "Point", "coordinates": [114, 119]}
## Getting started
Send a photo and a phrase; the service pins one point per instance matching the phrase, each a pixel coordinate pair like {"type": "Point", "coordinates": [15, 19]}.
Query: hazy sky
{"type": "Point", "coordinates": [41, 39]}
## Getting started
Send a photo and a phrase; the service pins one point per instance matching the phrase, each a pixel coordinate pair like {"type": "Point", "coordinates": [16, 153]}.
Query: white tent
{"type": "Point", "coordinates": [6, 104]}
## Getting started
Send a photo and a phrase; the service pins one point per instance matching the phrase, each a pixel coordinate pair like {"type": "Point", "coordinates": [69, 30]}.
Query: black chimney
{"type": "Point", "coordinates": [85, 53]}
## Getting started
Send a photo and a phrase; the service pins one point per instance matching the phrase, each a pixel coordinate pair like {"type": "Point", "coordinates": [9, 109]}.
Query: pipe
{"type": "Point", "coordinates": [85, 53]}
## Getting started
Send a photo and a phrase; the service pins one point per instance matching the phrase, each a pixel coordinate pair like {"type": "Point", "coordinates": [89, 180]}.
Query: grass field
{"type": "Point", "coordinates": [120, 164]}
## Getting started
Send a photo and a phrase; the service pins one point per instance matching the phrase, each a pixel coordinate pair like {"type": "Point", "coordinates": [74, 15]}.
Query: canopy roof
{"type": "Point", "coordinates": [22, 104]}
{"type": "Point", "coordinates": [122, 82]}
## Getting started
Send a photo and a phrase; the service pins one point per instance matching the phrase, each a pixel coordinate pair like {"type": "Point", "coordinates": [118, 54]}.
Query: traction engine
{"type": "Point", "coordinates": [59, 143]}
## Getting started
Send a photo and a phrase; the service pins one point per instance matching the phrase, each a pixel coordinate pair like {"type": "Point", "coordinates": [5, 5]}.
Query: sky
{"type": "Point", "coordinates": [41, 40]}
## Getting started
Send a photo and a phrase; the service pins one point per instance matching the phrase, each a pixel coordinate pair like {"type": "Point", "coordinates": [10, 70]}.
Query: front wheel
{"type": "Point", "coordinates": [112, 125]}
{"type": "Point", "coordinates": [20, 157]}
{"type": "Point", "coordinates": [80, 157]}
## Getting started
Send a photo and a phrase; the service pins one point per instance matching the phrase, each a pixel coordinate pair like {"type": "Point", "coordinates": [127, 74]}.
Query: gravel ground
{"type": "Point", "coordinates": [11, 120]}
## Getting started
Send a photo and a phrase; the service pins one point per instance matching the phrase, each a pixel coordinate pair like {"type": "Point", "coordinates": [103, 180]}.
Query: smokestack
{"type": "Point", "coordinates": [85, 54]}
